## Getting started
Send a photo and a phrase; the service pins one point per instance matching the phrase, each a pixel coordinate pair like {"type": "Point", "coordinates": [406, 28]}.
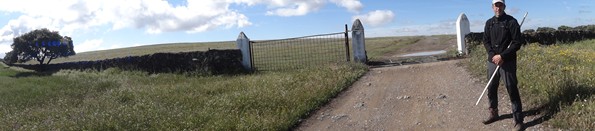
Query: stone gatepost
{"type": "Point", "coordinates": [243, 44]}
{"type": "Point", "coordinates": [358, 42]}
{"type": "Point", "coordinates": [462, 30]}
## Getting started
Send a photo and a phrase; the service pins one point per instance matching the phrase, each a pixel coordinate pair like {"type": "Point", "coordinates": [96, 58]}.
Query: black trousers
{"type": "Point", "coordinates": [507, 72]}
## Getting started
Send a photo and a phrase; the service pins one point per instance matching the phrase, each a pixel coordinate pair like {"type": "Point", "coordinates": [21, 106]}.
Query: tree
{"type": "Point", "coordinates": [41, 44]}
{"type": "Point", "coordinates": [10, 58]}
{"type": "Point", "coordinates": [585, 27]}
{"type": "Point", "coordinates": [528, 31]}
{"type": "Point", "coordinates": [545, 29]}
{"type": "Point", "coordinates": [564, 28]}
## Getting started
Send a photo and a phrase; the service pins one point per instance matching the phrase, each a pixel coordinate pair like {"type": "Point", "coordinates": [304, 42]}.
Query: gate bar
{"type": "Point", "coordinates": [347, 42]}
{"type": "Point", "coordinates": [251, 56]}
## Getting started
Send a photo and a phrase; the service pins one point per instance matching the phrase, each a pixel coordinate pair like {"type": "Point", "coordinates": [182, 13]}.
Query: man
{"type": "Point", "coordinates": [502, 39]}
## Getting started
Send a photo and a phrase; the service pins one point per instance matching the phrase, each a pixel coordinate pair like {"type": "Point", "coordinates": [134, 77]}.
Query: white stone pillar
{"type": "Point", "coordinates": [463, 28]}
{"type": "Point", "coordinates": [358, 42]}
{"type": "Point", "coordinates": [243, 44]}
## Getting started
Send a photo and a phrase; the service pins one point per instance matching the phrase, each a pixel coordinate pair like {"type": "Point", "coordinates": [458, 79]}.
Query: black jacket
{"type": "Point", "coordinates": [499, 33]}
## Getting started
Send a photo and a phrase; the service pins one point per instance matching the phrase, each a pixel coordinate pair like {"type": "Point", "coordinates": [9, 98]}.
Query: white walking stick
{"type": "Point", "coordinates": [497, 67]}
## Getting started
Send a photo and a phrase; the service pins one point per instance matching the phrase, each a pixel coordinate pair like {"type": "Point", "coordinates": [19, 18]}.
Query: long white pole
{"type": "Point", "coordinates": [497, 68]}
{"type": "Point", "coordinates": [489, 82]}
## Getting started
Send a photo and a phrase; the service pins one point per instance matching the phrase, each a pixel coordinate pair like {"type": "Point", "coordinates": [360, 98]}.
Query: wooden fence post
{"type": "Point", "coordinates": [243, 44]}
{"type": "Point", "coordinates": [358, 42]}
{"type": "Point", "coordinates": [462, 30]}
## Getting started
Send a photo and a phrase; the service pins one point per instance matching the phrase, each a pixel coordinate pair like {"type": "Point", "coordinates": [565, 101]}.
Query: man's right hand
{"type": "Point", "coordinates": [497, 59]}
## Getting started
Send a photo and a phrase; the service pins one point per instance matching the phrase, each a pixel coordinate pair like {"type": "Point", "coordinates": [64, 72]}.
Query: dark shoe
{"type": "Point", "coordinates": [493, 116]}
{"type": "Point", "coordinates": [519, 127]}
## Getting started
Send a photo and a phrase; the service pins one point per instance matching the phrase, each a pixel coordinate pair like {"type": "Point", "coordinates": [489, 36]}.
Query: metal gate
{"type": "Point", "coordinates": [299, 52]}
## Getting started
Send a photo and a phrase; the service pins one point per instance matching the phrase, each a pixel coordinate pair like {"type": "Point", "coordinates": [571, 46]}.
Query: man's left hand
{"type": "Point", "coordinates": [497, 59]}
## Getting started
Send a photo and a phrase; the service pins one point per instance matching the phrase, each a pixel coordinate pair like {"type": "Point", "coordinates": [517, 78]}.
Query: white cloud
{"type": "Point", "coordinates": [376, 18]}
{"type": "Point", "coordinates": [477, 25]}
{"type": "Point", "coordinates": [22, 25]}
{"type": "Point", "coordinates": [153, 15]}
{"type": "Point", "coordinates": [351, 5]}
{"type": "Point", "coordinates": [4, 47]}
{"type": "Point", "coordinates": [95, 44]}
{"type": "Point", "coordinates": [443, 27]}
{"type": "Point", "coordinates": [114, 46]}
{"type": "Point", "coordinates": [295, 8]}
{"type": "Point", "coordinates": [288, 8]}
{"type": "Point", "coordinates": [88, 45]}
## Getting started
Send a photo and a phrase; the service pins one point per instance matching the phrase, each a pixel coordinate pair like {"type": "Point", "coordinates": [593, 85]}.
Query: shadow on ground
{"type": "Point", "coordinates": [36, 72]}
{"type": "Point", "coordinates": [33, 74]}
{"type": "Point", "coordinates": [567, 94]}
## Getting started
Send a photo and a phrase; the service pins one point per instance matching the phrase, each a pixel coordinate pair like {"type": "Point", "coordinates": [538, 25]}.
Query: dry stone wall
{"type": "Point", "coordinates": [544, 38]}
{"type": "Point", "coordinates": [209, 62]}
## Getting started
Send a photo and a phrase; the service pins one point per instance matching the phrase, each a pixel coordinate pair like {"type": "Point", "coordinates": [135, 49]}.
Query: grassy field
{"type": "Point", "coordinates": [129, 100]}
{"type": "Point", "coordinates": [556, 80]}
{"type": "Point", "coordinates": [125, 100]}
{"type": "Point", "coordinates": [380, 46]}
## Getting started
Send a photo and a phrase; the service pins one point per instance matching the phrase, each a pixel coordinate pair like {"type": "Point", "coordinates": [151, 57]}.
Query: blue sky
{"type": "Point", "coordinates": [108, 24]}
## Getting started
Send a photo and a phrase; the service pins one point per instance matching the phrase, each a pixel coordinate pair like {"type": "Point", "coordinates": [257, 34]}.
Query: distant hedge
{"type": "Point", "coordinates": [209, 62]}
{"type": "Point", "coordinates": [544, 38]}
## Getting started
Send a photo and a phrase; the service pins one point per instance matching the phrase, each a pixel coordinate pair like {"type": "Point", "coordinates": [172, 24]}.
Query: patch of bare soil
{"type": "Point", "coordinates": [429, 96]}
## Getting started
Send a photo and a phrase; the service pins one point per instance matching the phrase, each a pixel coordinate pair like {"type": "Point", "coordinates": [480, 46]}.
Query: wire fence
{"type": "Point", "coordinates": [299, 52]}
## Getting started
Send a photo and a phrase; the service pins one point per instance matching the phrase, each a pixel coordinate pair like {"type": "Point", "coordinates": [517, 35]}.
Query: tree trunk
{"type": "Point", "coordinates": [40, 67]}
{"type": "Point", "coordinates": [41, 61]}
{"type": "Point", "coordinates": [49, 61]}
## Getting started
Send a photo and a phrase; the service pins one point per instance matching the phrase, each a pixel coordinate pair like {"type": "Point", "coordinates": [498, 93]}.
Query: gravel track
{"type": "Point", "coordinates": [429, 96]}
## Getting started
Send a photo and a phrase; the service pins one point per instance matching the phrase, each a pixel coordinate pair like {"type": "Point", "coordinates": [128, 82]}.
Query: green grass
{"type": "Point", "coordinates": [5, 71]}
{"type": "Point", "coordinates": [128, 100]}
{"type": "Point", "coordinates": [124, 100]}
{"type": "Point", "coordinates": [556, 80]}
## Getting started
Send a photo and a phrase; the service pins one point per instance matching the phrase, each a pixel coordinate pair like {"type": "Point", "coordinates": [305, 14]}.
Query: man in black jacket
{"type": "Point", "coordinates": [502, 39]}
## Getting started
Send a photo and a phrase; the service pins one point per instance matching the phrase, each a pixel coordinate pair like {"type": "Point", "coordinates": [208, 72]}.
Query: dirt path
{"type": "Point", "coordinates": [430, 96]}
{"type": "Point", "coordinates": [428, 43]}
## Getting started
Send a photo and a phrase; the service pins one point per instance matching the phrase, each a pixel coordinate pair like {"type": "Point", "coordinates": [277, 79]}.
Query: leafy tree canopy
{"type": "Point", "coordinates": [545, 29]}
{"type": "Point", "coordinates": [41, 45]}
{"type": "Point", "coordinates": [564, 28]}
{"type": "Point", "coordinates": [585, 27]}
{"type": "Point", "coordinates": [529, 31]}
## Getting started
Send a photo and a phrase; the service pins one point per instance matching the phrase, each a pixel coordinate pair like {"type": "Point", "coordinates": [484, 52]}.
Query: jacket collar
{"type": "Point", "coordinates": [501, 17]}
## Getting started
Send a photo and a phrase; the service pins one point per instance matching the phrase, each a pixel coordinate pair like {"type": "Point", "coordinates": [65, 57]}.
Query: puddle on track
{"type": "Point", "coordinates": [425, 53]}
